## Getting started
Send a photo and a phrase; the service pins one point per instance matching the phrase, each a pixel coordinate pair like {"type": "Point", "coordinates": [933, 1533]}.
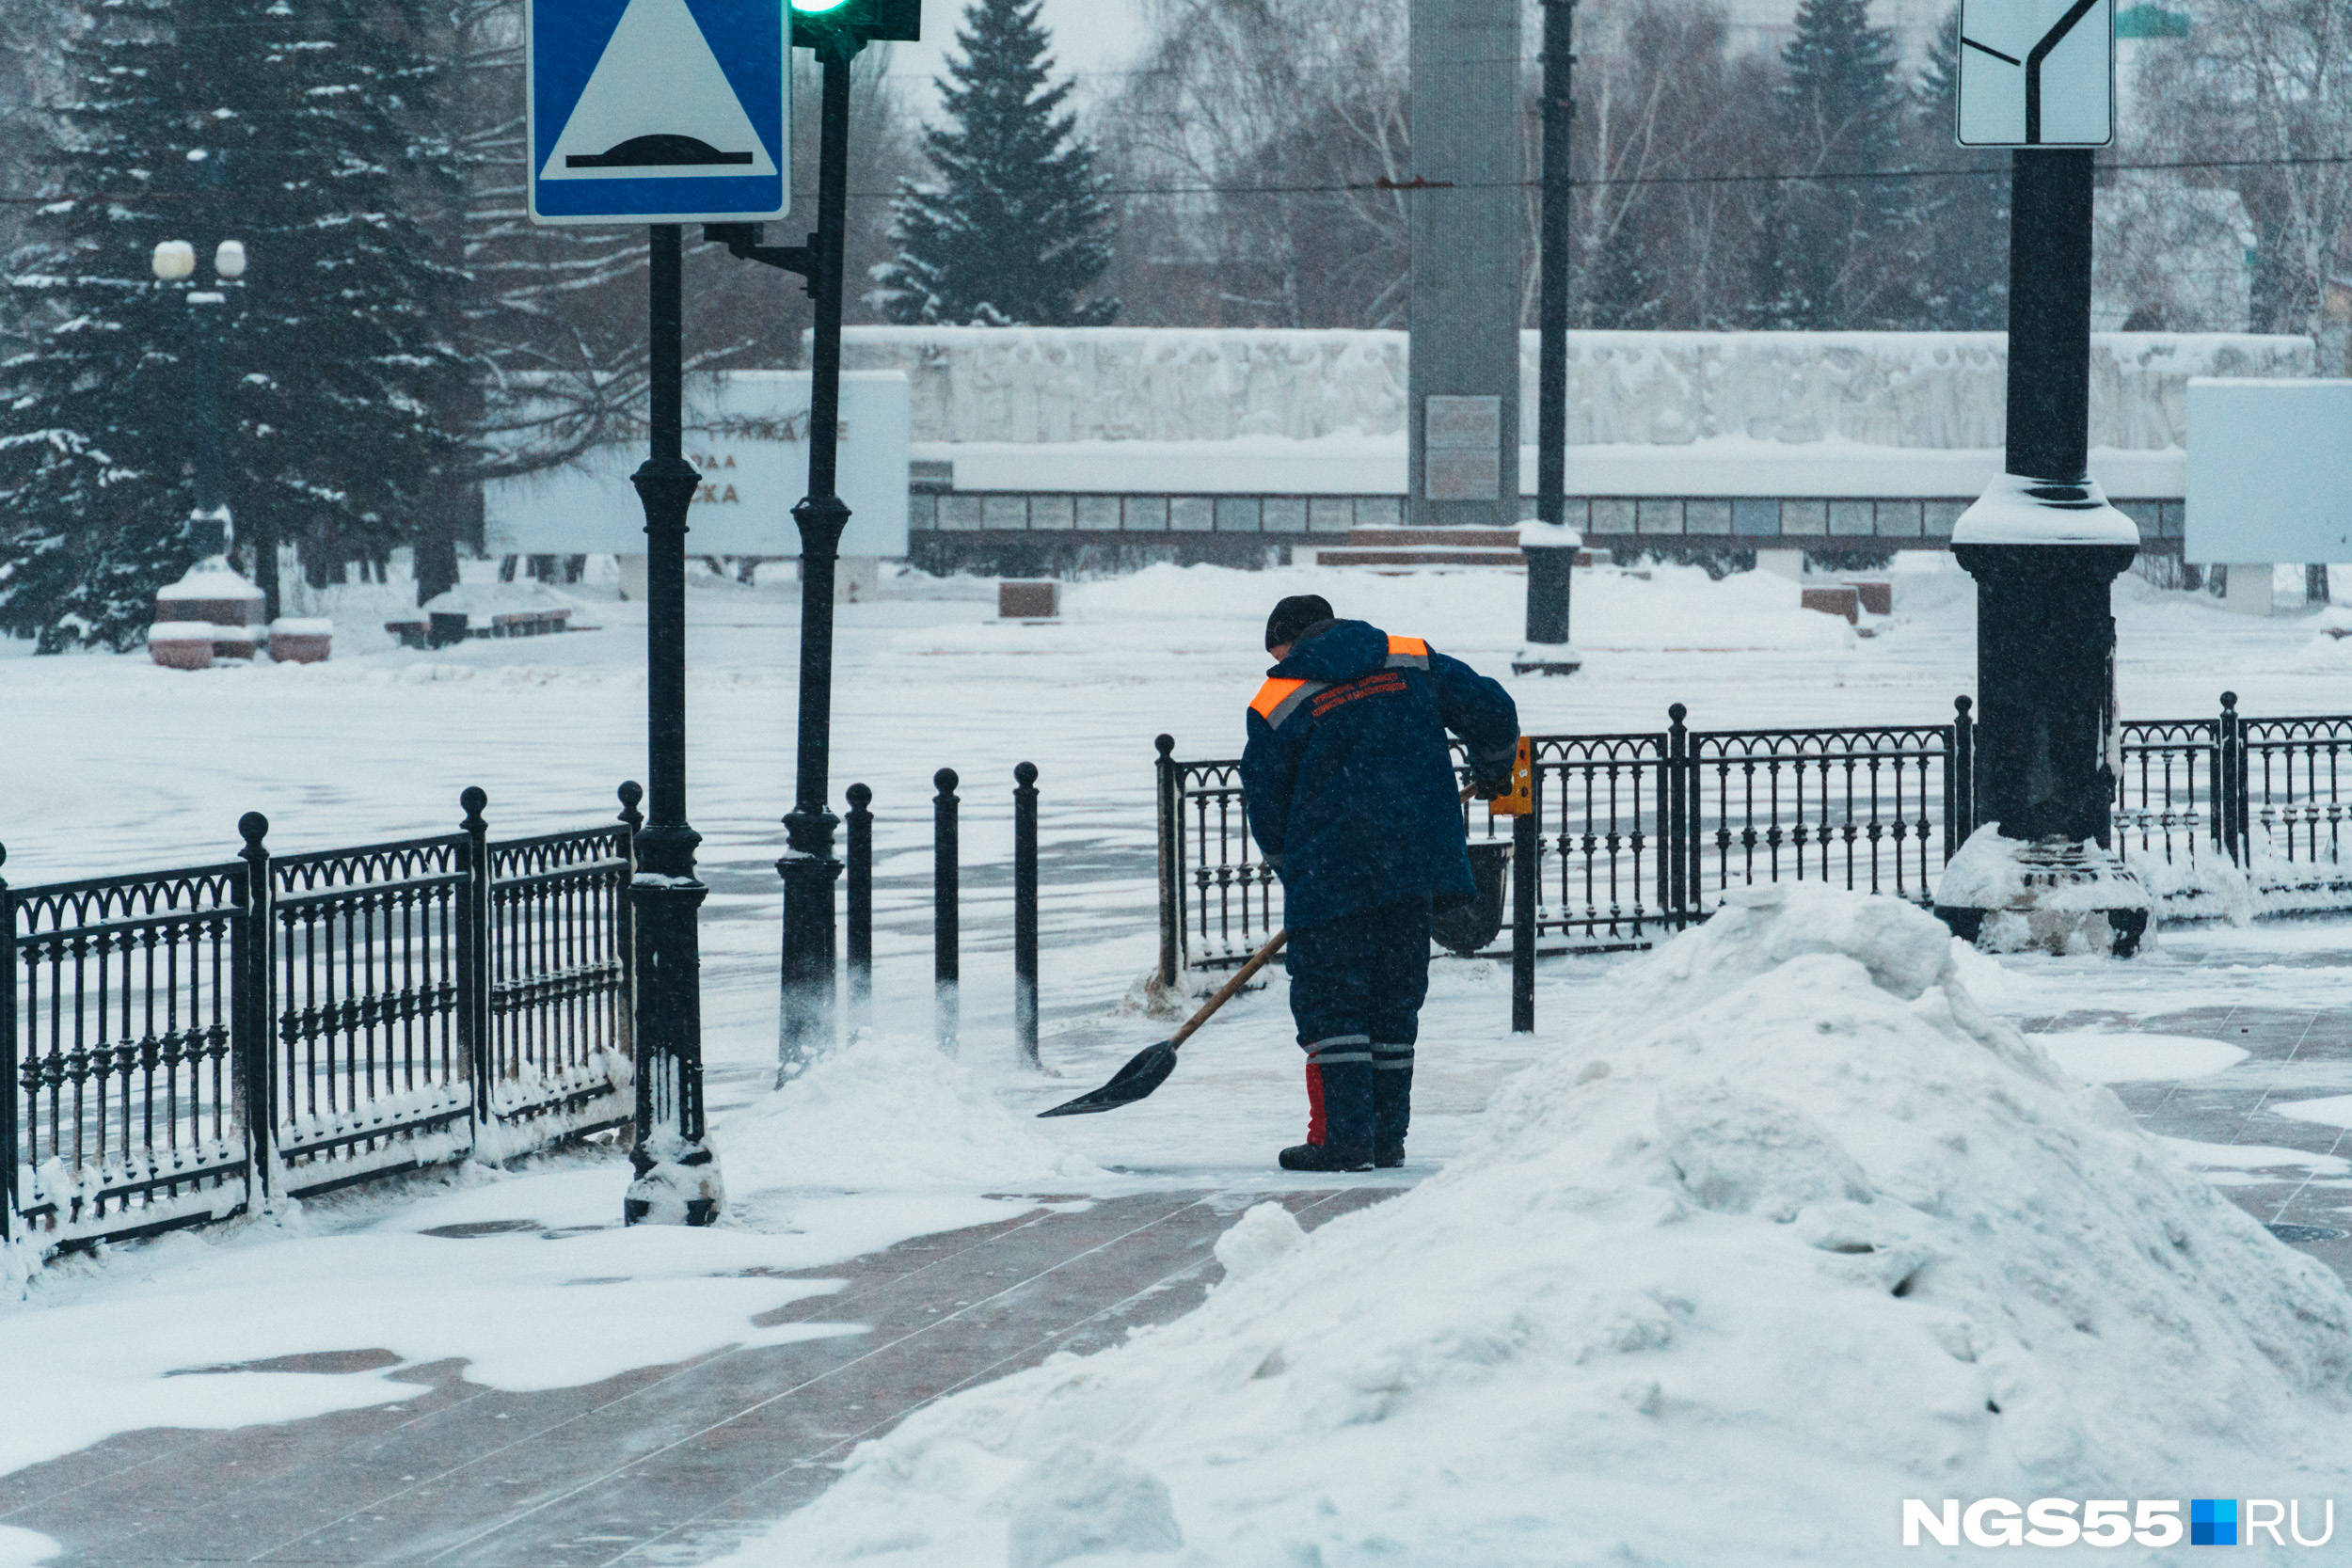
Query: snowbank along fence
{"type": "Point", "coordinates": [1638, 833]}
{"type": "Point", "coordinates": [179, 1045]}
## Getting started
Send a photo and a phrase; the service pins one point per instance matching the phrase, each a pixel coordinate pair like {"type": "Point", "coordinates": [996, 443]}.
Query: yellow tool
{"type": "Point", "coordinates": [1521, 799]}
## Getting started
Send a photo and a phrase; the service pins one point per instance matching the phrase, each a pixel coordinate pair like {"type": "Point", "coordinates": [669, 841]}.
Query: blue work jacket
{"type": "Point", "coordinates": [1348, 780]}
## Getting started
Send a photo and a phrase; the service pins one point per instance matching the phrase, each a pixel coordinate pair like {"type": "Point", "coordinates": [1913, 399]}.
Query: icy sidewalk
{"type": "Point", "coordinates": [1802, 1231]}
{"type": "Point", "coordinates": [499, 1374]}
{"type": "Point", "coordinates": [671, 1463]}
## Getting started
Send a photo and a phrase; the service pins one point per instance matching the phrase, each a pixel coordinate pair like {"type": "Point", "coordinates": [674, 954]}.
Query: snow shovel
{"type": "Point", "coordinates": [1149, 1068]}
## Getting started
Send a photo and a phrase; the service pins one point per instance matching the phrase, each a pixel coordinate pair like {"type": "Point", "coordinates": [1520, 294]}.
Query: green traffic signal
{"type": "Point", "coordinates": [867, 21]}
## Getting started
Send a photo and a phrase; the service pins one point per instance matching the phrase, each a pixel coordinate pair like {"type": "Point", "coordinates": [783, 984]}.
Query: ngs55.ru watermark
{"type": "Point", "coordinates": [2114, 1521]}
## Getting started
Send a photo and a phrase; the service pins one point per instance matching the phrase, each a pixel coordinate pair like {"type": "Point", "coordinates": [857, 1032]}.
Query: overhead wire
{"type": "Point", "coordinates": [1389, 187]}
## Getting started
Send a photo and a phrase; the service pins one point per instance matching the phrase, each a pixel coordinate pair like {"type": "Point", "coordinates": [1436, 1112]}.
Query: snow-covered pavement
{"type": "Point", "coordinates": [113, 765]}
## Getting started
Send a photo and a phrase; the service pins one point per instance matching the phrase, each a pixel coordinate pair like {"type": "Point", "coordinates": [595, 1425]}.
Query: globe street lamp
{"type": "Point", "coordinates": [174, 263]}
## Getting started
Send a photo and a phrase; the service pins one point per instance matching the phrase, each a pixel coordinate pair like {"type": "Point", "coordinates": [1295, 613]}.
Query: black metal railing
{"type": "Point", "coordinates": [2290, 810]}
{"type": "Point", "coordinates": [561, 1000]}
{"type": "Point", "coordinates": [1642, 833]}
{"type": "Point", "coordinates": [1872, 809]}
{"type": "Point", "coordinates": [1632, 834]}
{"type": "Point", "coordinates": [370, 1072]}
{"type": "Point", "coordinates": [121, 1040]}
{"type": "Point", "coordinates": [175, 1046]}
{"type": "Point", "coordinates": [2264, 803]}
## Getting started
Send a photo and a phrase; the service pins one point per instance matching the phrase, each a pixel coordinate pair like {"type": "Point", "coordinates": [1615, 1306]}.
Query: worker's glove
{"type": "Point", "coordinates": [1492, 787]}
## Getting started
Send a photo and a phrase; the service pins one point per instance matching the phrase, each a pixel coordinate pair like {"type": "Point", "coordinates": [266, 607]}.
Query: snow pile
{"type": "Point", "coordinates": [1799, 1232]}
{"type": "Point", "coordinates": [887, 1111]}
{"type": "Point", "coordinates": [1265, 1237]}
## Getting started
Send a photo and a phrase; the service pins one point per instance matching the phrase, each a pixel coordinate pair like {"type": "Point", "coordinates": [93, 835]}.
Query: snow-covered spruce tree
{"type": "Point", "coordinates": [1957, 251]}
{"type": "Point", "coordinates": [1014, 230]}
{"type": "Point", "coordinates": [299, 128]}
{"type": "Point", "coordinates": [1828, 248]}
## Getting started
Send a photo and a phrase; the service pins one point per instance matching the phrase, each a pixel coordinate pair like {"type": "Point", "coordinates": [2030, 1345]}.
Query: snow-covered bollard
{"type": "Point", "coordinates": [294, 640]}
{"type": "Point", "coordinates": [1551, 550]}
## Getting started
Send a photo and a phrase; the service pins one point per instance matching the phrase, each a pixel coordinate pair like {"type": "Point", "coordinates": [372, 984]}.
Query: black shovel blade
{"type": "Point", "coordinates": [1145, 1072]}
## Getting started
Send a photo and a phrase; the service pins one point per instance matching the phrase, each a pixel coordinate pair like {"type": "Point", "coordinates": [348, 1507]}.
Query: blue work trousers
{"type": "Point", "coordinates": [1356, 985]}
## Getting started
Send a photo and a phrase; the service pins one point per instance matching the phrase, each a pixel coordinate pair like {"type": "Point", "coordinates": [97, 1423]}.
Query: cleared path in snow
{"type": "Point", "coordinates": [665, 1464]}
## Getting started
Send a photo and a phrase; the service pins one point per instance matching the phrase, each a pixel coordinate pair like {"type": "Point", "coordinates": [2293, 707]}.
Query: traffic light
{"type": "Point", "coordinates": [867, 21]}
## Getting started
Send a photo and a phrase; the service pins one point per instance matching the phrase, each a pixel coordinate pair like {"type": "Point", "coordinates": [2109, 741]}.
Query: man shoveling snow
{"type": "Point", "coordinates": [1350, 789]}
{"type": "Point", "coordinates": [1794, 1232]}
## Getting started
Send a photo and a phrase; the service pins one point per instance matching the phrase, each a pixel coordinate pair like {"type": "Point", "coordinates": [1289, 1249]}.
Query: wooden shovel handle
{"type": "Point", "coordinates": [1225, 992]}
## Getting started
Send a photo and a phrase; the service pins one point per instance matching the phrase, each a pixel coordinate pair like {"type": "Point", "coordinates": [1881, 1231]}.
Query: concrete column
{"type": "Point", "coordinates": [2248, 590]}
{"type": "Point", "coordinates": [1464, 380]}
{"type": "Point", "coordinates": [1782, 563]}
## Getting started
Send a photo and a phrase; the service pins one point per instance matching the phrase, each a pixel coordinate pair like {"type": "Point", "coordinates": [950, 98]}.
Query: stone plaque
{"type": "Point", "coordinates": [1465, 423]}
{"type": "Point", "coordinates": [1463, 476]}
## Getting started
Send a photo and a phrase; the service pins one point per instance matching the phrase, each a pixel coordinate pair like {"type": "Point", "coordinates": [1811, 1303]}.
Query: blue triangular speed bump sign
{"type": "Point", "coordinates": [659, 111]}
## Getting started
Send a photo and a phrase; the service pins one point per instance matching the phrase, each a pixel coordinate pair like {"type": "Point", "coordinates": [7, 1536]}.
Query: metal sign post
{"type": "Point", "coordinates": [2043, 543]}
{"type": "Point", "coordinates": [663, 112]}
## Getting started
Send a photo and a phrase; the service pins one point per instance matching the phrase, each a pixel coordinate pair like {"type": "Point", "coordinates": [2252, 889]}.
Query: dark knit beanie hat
{"type": "Point", "coordinates": [1295, 616]}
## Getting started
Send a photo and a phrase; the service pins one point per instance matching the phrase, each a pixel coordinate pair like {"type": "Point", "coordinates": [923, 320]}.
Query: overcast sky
{"type": "Point", "coordinates": [1090, 37]}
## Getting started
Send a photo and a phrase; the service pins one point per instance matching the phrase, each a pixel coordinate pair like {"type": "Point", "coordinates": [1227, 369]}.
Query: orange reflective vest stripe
{"type": "Point", "coordinates": [1270, 697]}
{"type": "Point", "coordinates": [1407, 653]}
{"type": "Point", "coordinates": [1279, 699]}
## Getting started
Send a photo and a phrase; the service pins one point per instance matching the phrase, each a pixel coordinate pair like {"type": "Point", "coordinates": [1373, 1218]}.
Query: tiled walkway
{"type": "Point", "coordinates": [666, 1464]}
{"type": "Point", "coordinates": [2293, 1055]}
{"type": "Point", "coordinates": [677, 1464]}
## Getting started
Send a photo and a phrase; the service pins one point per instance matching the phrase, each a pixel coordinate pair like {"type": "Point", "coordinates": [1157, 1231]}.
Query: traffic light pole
{"type": "Point", "coordinates": [2046, 548]}
{"type": "Point", "coordinates": [835, 30]}
{"type": "Point", "coordinates": [808, 867]}
{"type": "Point", "coordinates": [1549, 545]}
{"type": "Point", "coordinates": [677, 1173]}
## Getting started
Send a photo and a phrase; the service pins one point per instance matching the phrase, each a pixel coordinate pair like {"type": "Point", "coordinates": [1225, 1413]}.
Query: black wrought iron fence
{"type": "Point", "coordinates": [1634, 833]}
{"type": "Point", "coordinates": [2171, 791]}
{"type": "Point", "coordinates": [117, 1029]}
{"type": "Point", "coordinates": [2202, 803]}
{"type": "Point", "coordinates": [562, 1002]}
{"type": "Point", "coordinates": [175, 1044]}
{"type": "Point", "coordinates": [2290, 812]}
{"type": "Point", "coordinates": [368, 948]}
{"type": "Point", "coordinates": [1641, 833]}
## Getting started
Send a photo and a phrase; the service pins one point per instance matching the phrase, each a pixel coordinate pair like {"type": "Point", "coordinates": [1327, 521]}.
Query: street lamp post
{"type": "Point", "coordinates": [2046, 548]}
{"type": "Point", "coordinates": [677, 1172]}
{"type": "Point", "coordinates": [174, 263]}
{"type": "Point", "coordinates": [1548, 543]}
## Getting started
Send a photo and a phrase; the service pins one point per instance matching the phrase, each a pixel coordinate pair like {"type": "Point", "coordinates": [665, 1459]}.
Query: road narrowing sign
{"type": "Point", "coordinates": [659, 111]}
{"type": "Point", "coordinates": [2037, 72]}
